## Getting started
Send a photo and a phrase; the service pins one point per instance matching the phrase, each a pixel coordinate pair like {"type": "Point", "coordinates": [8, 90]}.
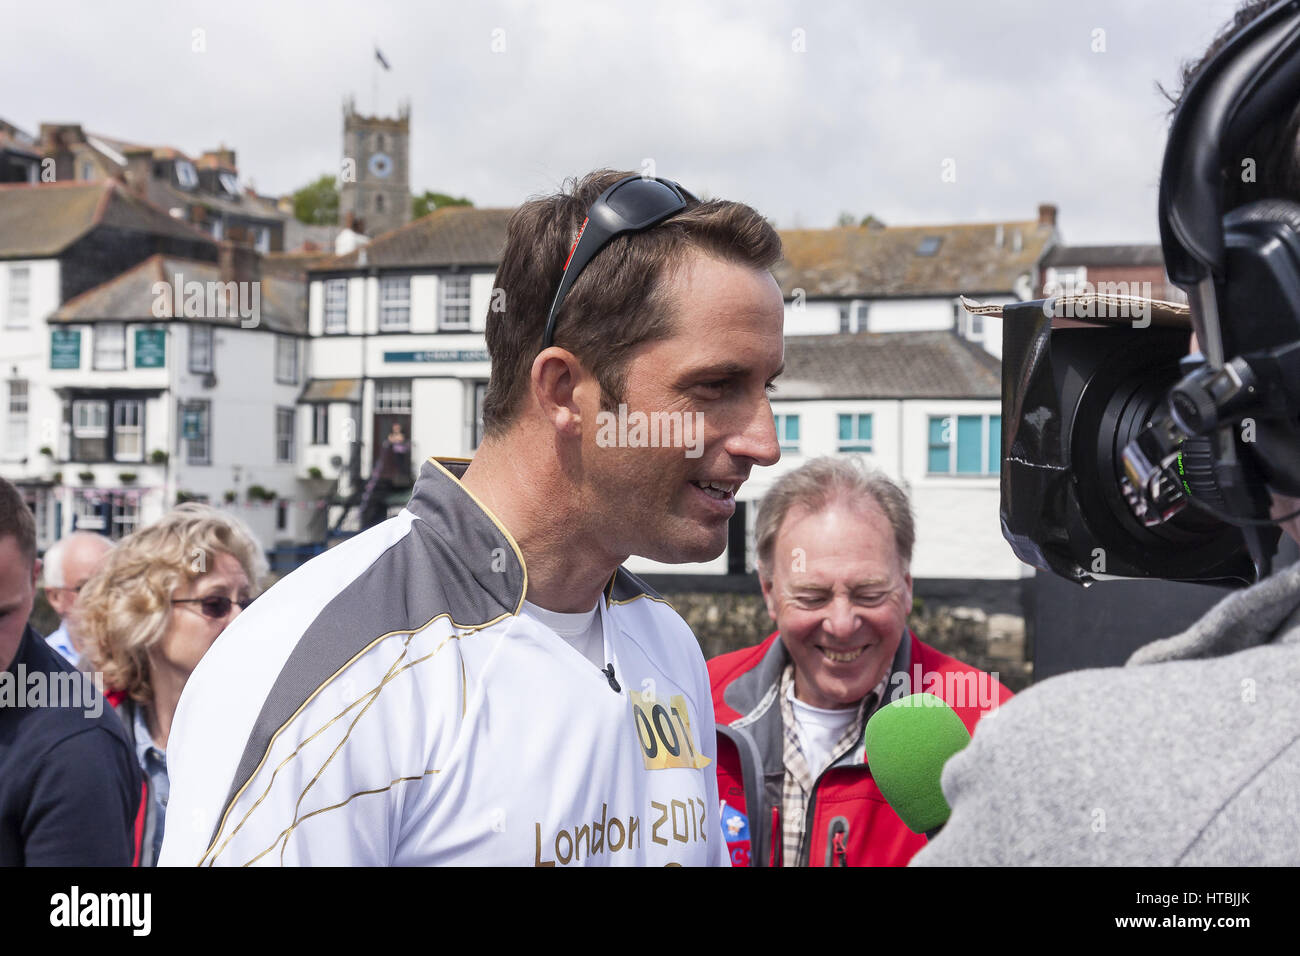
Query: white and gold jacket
{"type": "Point", "coordinates": [387, 704]}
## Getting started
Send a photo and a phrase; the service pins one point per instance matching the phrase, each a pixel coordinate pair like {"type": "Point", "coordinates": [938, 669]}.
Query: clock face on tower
{"type": "Point", "coordinates": [381, 164]}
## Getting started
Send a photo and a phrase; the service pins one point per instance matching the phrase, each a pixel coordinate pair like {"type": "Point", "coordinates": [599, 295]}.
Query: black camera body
{"type": "Point", "coordinates": [1074, 394]}
{"type": "Point", "coordinates": [1125, 457]}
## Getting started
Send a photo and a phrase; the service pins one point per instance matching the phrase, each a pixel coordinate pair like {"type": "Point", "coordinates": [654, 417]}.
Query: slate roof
{"type": "Point", "coordinates": [41, 220]}
{"type": "Point", "coordinates": [883, 261]}
{"type": "Point", "coordinates": [1105, 256]}
{"type": "Point", "coordinates": [850, 262]}
{"type": "Point", "coordinates": [452, 235]}
{"type": "Point", "coordinates": [887, 365]}
{"type": "Point", "coordinates": [130, 297]}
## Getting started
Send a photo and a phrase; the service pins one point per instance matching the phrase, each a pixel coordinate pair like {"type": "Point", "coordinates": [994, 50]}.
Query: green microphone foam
{"type": "Point", "coordinates": [908, 741]}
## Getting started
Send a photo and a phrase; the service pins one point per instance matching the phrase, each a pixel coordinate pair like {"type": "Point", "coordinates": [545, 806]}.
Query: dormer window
{"type": "Point", "coordinates": [185, 174]}
{"type": "Point", "coordinates": [929, 245]}
{"type": "Point", "coordinates": [229, 182]}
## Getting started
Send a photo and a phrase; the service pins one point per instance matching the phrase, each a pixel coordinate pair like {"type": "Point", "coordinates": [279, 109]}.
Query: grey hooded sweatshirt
{"type": "Point", "coordinates": [1189, 755]}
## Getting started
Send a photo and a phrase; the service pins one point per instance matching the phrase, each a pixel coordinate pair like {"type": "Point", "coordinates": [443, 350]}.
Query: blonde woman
{"type": "Point", "coordinates": [162, 598]}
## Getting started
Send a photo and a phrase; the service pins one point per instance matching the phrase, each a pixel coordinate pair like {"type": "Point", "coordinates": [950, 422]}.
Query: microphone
{"type": "Point", "coordinates": [907, 742]}
{"type": "Point", "coordinates": [608, 671]}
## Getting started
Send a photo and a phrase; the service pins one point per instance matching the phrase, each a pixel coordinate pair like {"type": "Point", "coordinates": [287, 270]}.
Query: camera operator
{"type": "Point", "coordinates": [1189, 754]}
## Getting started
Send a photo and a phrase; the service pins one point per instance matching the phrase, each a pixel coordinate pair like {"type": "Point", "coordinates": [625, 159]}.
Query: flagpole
{"type": "Point", "coordinates": [374, 80]}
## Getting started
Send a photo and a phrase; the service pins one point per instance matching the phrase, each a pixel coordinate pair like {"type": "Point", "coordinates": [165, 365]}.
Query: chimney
{"type": "Point", "coordinates": [139, 170]}
{"type": "Point", "coordinates": [59, 136]}
{"type": "Point", "coordinates": [220, 158]}
{"type": "Point", "coordinates": [1047, 215]}
{"type": "Point", "coordinates": [238, 263]}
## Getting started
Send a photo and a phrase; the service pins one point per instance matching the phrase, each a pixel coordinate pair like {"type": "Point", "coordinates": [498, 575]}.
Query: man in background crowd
{"type": "Point", "coordinates": [69, 563]}
{"type": "Point", "coordinates": [69, 787]}
{"type": "Point", "coordinates": [834, 560]}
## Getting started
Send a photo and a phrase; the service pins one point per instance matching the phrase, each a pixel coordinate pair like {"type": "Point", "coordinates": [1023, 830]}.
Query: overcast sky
{"type": "Point", "coordinates": [803, 109]}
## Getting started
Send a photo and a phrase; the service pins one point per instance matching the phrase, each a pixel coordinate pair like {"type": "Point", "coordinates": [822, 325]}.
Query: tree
{"type": "Point", "coordinates": [317, 204]}
{"type": "Point", "coordinates": [423, 205]}
{"type": "Point", "coordinates": [846, 219]}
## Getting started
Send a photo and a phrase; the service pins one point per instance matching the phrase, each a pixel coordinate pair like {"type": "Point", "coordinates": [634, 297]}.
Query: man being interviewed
{"type": "Point", "coordinates": [477, 680]}
{"type": "Point", "coordinates": [834, 558]}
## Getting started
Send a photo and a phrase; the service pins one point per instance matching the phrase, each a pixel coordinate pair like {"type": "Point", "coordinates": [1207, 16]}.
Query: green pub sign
{"type": "Point", "coordinates": [65, 348]}
{"type": "Point", "coordinates": [150, 348]}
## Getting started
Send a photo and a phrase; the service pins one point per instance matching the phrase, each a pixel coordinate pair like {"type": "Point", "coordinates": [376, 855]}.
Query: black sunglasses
{"type": "Point", "coordinates": [632, 204]}
{"type": "Point", "coordinates": [214, 606]}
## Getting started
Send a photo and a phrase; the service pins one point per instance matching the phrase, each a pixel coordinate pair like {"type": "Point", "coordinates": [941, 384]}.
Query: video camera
{"type": "Point", "coordinates": [1125, 457]}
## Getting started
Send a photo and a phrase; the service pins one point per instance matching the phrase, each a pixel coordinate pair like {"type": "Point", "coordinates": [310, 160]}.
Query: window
{"type": "Point", "coordinates": [453, 307]}
{"type": "Point", "coordinates": [196, 432]}
{"type": "Point", "coordinates": [965, 444]}
{"type": "Point", "coordinates": [201, 348]}
{"type": "Point", "coordinates": [284, 435]}
{"type": "Point", "coordinates": [929, 246]}
{"type": "Point", "coordinates": [281, 515]}
{"type": "Point", "coordinates": [263, 242]}
{"type": "Point", "coordinates": [124, 514]}
{"type": "Point", "coordinates": [855, 433]}
{"type": "Point", "coordinates": [393, 396]}
{"type": "Point", "coordinates": [89, 430]}
{"type": "Point", "coordinates": [286, 359]}
{"type": "Point", "coordinates": [977, 326]}
{"type": "Point", "coordinates": [229, 182]}
{"type": "Point", "coordinates": [853, 316]}
{"type": "Point", "coordinates": [185, 174]}
{"type": "Point", "coordinates": [110, 346]}
{"type": "Point", "coordinates": [394, 303]}
{"type": "Point", "coordinates": [86, 513]}
{"type": "Point", "coordinates": [787, 433]}
{"type": "Point", "coordinates": [87, 169]}
{"type": "Point", "coordinates": [128, 430]}
{"type": "Point", "coordinates": [1066, 281]}
{"type": "Point", "coordinates": [336, 306]}
{"type": "Point", "coordinates": [476, 427]}
{"type": "Point", "coordinates": [217, 231]}
{"type": "Point", "coordinates": [19, 311]}
{"type": "Point", "coordinates": [16, 432]}
{"type": "Point", "coordinates": [320, 424]}
{"type": "Point", "coordinates": [379, 202]}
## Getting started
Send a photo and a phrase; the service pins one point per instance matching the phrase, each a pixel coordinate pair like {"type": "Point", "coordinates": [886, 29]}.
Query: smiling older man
{"type": "Point", "coordinates": [834, 553]}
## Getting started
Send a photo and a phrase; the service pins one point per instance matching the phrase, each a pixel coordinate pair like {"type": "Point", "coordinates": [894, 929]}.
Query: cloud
{"type": "Point", "coordinates": [801, 109]}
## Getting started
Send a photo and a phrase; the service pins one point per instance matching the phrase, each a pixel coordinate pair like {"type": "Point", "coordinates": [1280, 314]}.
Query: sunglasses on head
{"type": "Point", "coordinates": [214, 606]}
{"type": "Point", "coordinates": [632, 204]}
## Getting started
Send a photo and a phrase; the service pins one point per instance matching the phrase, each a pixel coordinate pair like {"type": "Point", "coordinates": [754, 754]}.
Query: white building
{"type": "Point", "coordinates": [877, 278]}
{"type": "Point", "coordinates": [59, 241]}
{"type": "Point", "coordinates": [396, 331]}
{"type": "Point", "coordinates": [179, 380]}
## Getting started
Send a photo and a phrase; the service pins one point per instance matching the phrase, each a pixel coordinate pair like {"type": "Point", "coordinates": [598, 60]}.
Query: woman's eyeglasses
{"type": "Point", "coordinates": [214, 606]}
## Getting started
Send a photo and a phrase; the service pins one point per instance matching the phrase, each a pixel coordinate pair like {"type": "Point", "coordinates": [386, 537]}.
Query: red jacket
{"type": "Point", "coordinates": [849, 823]}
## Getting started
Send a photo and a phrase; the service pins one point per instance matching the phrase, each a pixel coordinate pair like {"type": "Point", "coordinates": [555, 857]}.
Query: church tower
{"type": "Point", "coordinates": [376, 196]}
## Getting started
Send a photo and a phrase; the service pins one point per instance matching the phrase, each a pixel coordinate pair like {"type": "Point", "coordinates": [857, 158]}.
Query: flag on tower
{"type": "Point", "coordinates": [380, 57]}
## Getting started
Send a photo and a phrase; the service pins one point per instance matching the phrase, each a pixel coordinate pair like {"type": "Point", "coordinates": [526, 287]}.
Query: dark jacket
{"type": "Point", "coordinates": [69, 785]}
{"type": "Point", "coordinates": [146, 818]}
